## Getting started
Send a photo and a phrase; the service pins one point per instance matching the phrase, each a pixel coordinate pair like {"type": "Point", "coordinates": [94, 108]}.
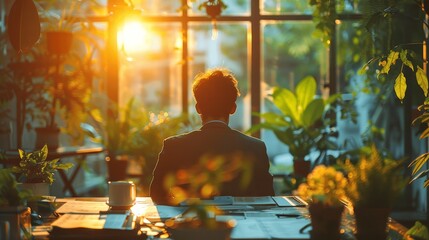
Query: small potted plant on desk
{"type": "Point", "coordinates": [36, 172]}
{"type": "Point", "coordinates": [202, 181]}
{"type": "Point", "coordinates": [13, 209]}
{"type": "Point", "coordinates": [325, 188]}
{"type": "Point", "coordinates": [300, 121]}
{"type": "Point", "coordinates": [375, 182]}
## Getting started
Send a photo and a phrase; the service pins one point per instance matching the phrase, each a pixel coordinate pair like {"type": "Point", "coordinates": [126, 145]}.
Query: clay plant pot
{"type": "Point", "coordinates": [371, 223]}
{"type": "Point", "coordinates": [301, 168]}
{"type": "Point", "coordinates": [325, 221]}
{"type": "Point", "coordinates": [117, 168]}
{"type": "Point", "coordinates": [59, 42]}
{"type": "Point", "coordinates": [48, 136]}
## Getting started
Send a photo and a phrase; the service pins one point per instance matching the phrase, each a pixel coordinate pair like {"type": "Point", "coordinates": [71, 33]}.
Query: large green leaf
{"type": "Point", "coordinates": [23, 25]}
{"type": "Point", "coordinates": [305, 92]}
{"type": "Point", "coordinates": [313, 112]}
{"type": "Point", "coordinates": [286, 102]}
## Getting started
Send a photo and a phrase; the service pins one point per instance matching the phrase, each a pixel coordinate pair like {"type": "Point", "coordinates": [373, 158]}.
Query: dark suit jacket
{"type": "Point", "coordinates": [215, 138]}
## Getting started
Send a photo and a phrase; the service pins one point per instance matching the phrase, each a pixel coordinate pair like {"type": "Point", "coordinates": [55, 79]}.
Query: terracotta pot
{"type": "Point", "coordinates": [213, 11]}
{"type": "Point", "coordinates": [325, 221]}
{"type": "Point", "coordinates": [117, 168]}
{"type": "Point", "coordinates": [371, 223]}
{"type": "Point", "coordinates": [59, 42]}
{"type": "Point", "coordinates": [49, 136]}
{"type": "Point", "coordinates": [301, 168]}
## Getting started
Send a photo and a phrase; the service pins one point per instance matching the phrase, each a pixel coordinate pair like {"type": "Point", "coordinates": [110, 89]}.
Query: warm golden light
{"type": "Point", "coordinates": [135, 37]}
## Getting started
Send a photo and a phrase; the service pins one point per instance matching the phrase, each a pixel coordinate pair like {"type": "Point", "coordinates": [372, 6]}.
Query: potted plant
{"type": "Point", "coordinates": [325, 188]}
{"type": "Point", "coordinates": [36, 172]}
{"type": "Point", "coordinates": [300, 120]}
{"type": "Point", "coordinates": [13, 207]}
{"type": "Point", "coordinates": [202, 181]}
{"type": "Point", "coordinates": [375, 182]}
{"type": "Point", "coordinates": [213, 7]}
{"type": "Point", "coordinates": [66, 65]}
{"type": "Point", "coordinates": [146, 142]}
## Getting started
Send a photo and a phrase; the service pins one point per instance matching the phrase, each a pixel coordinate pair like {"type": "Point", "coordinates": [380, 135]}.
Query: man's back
{"type": "Point", "coordinates": [216, 139]}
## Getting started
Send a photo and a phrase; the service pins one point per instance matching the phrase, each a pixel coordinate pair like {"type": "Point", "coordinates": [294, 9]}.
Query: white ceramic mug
{"type": "Point", "coordinates": [122, 194]}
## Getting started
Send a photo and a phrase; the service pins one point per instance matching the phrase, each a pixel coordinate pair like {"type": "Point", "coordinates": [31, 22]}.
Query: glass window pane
{"type": "Point", "coordinates": [150, 68]}
{"type": "Point", "coordinates": [158, 7]}
{"type": "Point", "coordinates": [285, 6]}
{"type": "Point", "coordinates": [289, 53]}
{"type": "Point", "coordinates": [347, 6]}
{"type": "Point", "coordinates": [229, 50]}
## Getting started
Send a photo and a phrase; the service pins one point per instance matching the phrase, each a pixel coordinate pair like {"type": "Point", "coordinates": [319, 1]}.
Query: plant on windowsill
{"type": "Point", "coordinates": [375, 182]}
{"type": "Point", "coordinates": [324, 189]}
{"type": "Point", "coordinates": [301, 121]}
{"type": "Point", "coordinates": [36, 172]}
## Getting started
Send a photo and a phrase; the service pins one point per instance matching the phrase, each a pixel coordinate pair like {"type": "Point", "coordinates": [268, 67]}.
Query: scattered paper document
{"type": "Point", "coordinates": [249, 229]}
{"type": "Point", "coordinates": [254, 201]}
{"type": "Point", "coordinates": [82, 207]}
{"type": "Point", "coordinates": [71, 220]}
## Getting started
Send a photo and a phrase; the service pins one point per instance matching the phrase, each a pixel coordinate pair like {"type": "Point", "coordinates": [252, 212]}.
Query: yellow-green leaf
{"type": "Point", "coordinates": [422, 80]}
{"type": "Point", "coordinates": [419, 162]}
{"type": "Point", "coordinates": [426, 183]}
{"type": "Point", "coordinates": [405, 60]}
{"type": "Point", "coordinates": [424, 133]}
{"type": "Point", "coordinates": [400, 86]}
{"type": "Point", "coordinates": [391, 60]}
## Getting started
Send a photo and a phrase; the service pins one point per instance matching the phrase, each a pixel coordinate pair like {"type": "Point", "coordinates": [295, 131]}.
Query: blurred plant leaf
{"type": "Point", "coordinates": [23, 25]}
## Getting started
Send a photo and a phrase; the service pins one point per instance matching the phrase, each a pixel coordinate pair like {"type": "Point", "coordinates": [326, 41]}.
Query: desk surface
{"type": "Point", "coordinates": [260, 220]}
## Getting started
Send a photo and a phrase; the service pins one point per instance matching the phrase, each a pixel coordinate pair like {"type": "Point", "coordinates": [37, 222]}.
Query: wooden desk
{"type": "Point", "coordinates": [250, 218]}
{"type": "Point", "coordinates": [12, 158]}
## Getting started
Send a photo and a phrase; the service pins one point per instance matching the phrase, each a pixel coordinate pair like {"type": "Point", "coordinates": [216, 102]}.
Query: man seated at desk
{"type": "Point", "coordinates": [215, 92]}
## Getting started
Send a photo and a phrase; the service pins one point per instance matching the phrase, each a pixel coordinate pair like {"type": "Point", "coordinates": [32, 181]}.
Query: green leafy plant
{"type": "Point", "coordinates": [324, 16]}
{"type": "Point", "coordinates": [34, 167]}
{"type": "Point", "coordinates": [418, 232]}
{"type": "Point", "coordinates": [324, 185]}
{"type": "Point", "coordinates": [300, 119]}
{"type": "Point", "coordinates": [418, 163]}
{"type": "Point", "coordinates": [374, 181]}
{"type": "Point", "coordinates": [397, 50]}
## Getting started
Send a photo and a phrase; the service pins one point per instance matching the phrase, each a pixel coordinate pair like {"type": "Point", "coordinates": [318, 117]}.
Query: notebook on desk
{"type": "Point", "coordinates": [95, 226]}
